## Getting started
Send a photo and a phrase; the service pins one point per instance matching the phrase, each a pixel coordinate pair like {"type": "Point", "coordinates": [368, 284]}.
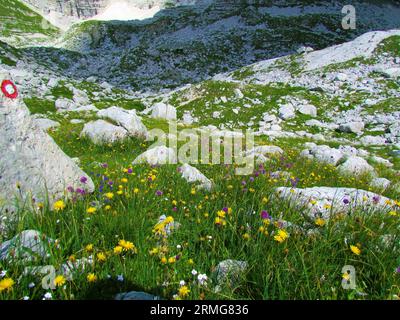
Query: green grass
{"type": "Point", "coordinates": [302, 267]}
{"type": "Point", "coordinates": [40, 106]}
{"type": "Point", "coordinates": [20, 21]}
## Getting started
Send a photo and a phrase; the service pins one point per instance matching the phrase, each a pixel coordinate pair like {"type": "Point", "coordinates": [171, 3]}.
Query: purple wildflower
{"type": "Point", "coordinates": [265, 215]}
{"type": "Point", "coordinates": [83, 180]}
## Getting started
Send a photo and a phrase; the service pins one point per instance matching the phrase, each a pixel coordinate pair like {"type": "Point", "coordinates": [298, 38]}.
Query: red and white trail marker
{"type": "Point", "coordinates": [9, 89]}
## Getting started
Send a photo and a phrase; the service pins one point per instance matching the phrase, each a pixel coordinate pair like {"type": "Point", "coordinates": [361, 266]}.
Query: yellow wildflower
{"type": "Point", "coordinates": [6, 284]}
{"type": "Point", "coordinates": [59, 281]}
{"type": "Point", "coordinates": [91, 210]}
{"type": "Point", "coordinates": [91, 277]}
{"type": "Point", "coordinates": [183, 291]}
{"type": "Point", "coordinates": [356, 250]}
{"type": "Point", "coordinates": [59, 205]}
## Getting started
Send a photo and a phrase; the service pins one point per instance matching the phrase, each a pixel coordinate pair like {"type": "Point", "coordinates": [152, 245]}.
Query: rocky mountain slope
{"type": "Point", "coordinates": [186, 44]}
{"type": "Point", "coordinates": [21, 26]}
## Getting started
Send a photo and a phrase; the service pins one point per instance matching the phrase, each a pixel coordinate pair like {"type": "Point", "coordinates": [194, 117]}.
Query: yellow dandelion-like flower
{"type": "Point", "coordinates": [320, 222]}
{"type": "Point", "coordinates": [169, 220]}
{"type": "Point", "coordinates": [246, 236]}
{"type": "Point", "coordinates": [356, 250]}
{"type": "Point", "coordinates": [136, 190]}
{"type": "Point", "coordinates": [89, 247]}
{"type": "Point", "coordinates": [163, 260]}
{"type": "Point", "coordinates": [221, 214]}
{"type": "Point", "coordinates": [183, 291]}
{"type": "Point", "coordinates": [172, 260]}
{"type": "Point", "coordinates": [118, 250]}
{"type": "Point", "coordinates": [127, 245]}
{"type": "Point", "coordinates": [281, 236]}
{"type": "Point", "coordinates": [101, 257]}
{"type": "Point", "coordinates": [59, 205]}
{"type": "Point", "coordinates": [59, 281]}
{"type": "Point", "coordinates": [91, 210]}
{"type": "Point", "coordinates": [91, 277]}
{"type": "Point", "coordinates": [124, 180]}
{"type": "Point", "coordinates": [109, 195]}
{"type": "Point", "coordinates": [6, 284]}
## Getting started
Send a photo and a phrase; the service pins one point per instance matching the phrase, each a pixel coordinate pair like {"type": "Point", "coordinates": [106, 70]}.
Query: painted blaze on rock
{"type": "Point", "coordinates": [32, 165]}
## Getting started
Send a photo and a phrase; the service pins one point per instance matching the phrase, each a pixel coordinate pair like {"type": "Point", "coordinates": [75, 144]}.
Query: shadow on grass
{"type": "Point", "coordinates": [108, 289]}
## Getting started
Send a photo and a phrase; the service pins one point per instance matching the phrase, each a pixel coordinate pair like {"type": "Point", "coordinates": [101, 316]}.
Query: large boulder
{"type": "Point", "coordinates": [355, 165]}
{"type": "Point", "coordinates": [101, 131]}
{"type": "Point", "coordinates": [157, 156]}
{"type": "Point", "coordinates": [287, 112]}
{"type": "Point", "coordinates": [26, 245]}
{"type": "Point", "coordinates": [322, 153]}
{"type": "Point", "coordinates": [80, 97]}
{"type": "Point", "coordinates": [63, 104]}
{"type": "Point", "coordinates": [46, 124]}
{"type": "Point", "coordinates": [352, 127]}
{"type": "Point", "coordinates": [32, 165]}
{"type": "Point", "coordinates": [325, 201]}
{"type": "Point", "coordinates": [191, 175]}
{"type": "Point", "coordinates": [163, 111]}
{"type": "Point", "coordinates": [307, 109]}
{"type": "Point", "coordinates": [126, 119]}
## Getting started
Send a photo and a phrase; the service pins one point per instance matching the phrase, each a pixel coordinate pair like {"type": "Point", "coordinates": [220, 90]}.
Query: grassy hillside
{"type": "Point", "coordinates": [20, 25]}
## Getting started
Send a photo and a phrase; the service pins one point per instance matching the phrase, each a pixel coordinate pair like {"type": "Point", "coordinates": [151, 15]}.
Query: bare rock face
{"type": "Point", "coordinates": [32, 165]}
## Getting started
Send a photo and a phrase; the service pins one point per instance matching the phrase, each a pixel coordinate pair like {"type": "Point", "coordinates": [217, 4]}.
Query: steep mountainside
{"type": "Point", "coordinates": [190, 43]}
{"type": "Point", "coordinates": [19, 25]}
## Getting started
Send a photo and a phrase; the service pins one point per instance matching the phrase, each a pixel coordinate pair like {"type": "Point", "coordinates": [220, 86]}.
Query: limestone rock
{"type": "Point", "coordinates": [31, 159]}
{"type": "Point", "coordinates": [26, 245]}
{"type": "Point", "coordinates": [163, 111]}
{"type": "Point", "coordinates": [356, 165]}
{"type": "Point", "coordinates": [325, 201]}
{"type": "Point", "coordinates": [157, 156]}
{"type": "Point", "coordinates": [126, 119]}
{"type": "Point", "coordinates": [191, 174]}
{"type": "Point", "coordinates": [101, 131]}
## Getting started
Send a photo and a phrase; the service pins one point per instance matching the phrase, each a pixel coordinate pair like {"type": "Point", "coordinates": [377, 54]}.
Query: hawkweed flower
{"type": "Point", "coordinates": [91, 210]}
{"type": "Point", "coordinates": [281, 236]}
{"type": "Point", "coordinates": [91, 277]}
{"type": "Point", "coordinates": [183, 291]}
{"type": "Point", "coordinates": [59, 281]}
{"type": "Point", "coordinates": [356, 250]}
{"type": "Point", "coordinates": [101, 257]}
{"type": "Point", "coordinates": [6, 284]}
{"type": "Point", "coordinates": [59, 205]}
